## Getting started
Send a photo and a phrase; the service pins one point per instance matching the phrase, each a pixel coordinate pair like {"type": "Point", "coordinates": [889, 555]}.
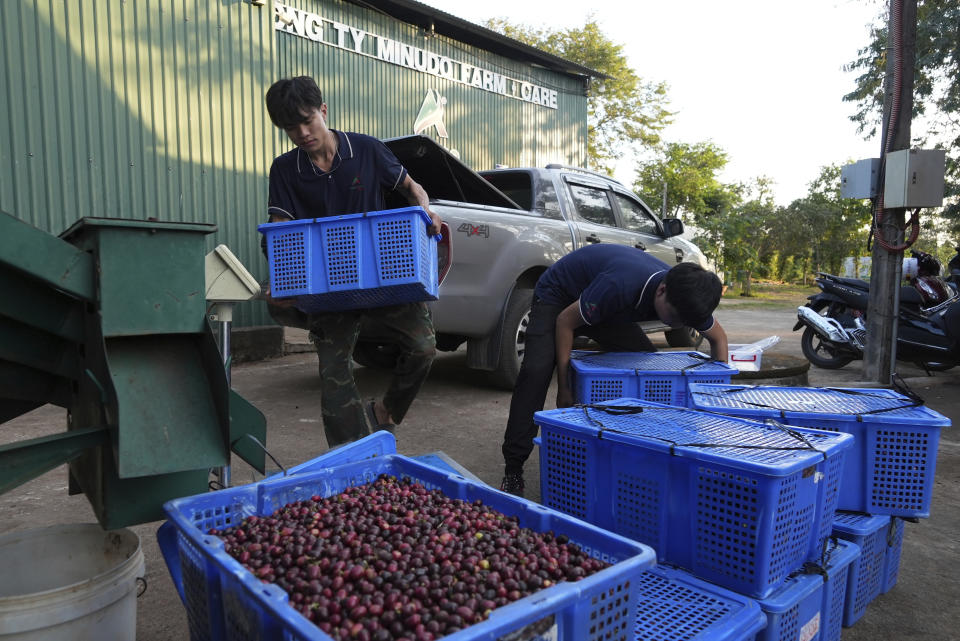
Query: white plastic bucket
{"type": "Point", "coordinates": [69, 582]}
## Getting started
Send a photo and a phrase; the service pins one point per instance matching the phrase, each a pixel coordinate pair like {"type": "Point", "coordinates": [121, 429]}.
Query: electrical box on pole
{"type": "Point", "coordinates": [859, 180]}
{"type": "Point", "coordinates": [915, 178]}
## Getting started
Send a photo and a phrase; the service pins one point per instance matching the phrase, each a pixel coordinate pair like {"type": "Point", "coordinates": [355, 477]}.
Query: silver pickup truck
{"type": "Point", "coordinates": [504, 228]}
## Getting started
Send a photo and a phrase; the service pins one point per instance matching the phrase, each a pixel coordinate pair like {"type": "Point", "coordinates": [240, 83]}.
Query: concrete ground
{"type": "Point", "coordinates": [458, 413]}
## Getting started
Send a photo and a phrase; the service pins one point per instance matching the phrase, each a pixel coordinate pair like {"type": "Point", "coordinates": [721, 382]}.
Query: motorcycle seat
{"type": "Point", "coordinates": [910, 296]}
{"type": "Point", "coordinates": [856, 283]}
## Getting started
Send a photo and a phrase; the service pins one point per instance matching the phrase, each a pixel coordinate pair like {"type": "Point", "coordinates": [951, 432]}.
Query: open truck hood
{"type": "Point", "coordinates": [442, 175]}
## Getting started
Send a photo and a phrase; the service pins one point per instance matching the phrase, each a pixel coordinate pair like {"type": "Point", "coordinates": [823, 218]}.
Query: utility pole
{"type": "Point", "coordinates": [880, 353]}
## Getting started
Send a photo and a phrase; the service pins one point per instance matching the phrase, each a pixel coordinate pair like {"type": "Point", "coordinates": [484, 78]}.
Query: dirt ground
{"type": "Point", "coordinates": [459, 414]}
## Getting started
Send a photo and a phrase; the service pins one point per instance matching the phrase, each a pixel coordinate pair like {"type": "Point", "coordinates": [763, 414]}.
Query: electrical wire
{"type": "Point", "coordinates": [897, 31]}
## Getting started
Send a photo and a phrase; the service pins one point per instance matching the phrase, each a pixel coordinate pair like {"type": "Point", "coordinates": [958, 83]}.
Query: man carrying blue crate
{"type": "Point", "coordinates": [602, 292]}
{"type": "Point", "coordinates": [332, 173]}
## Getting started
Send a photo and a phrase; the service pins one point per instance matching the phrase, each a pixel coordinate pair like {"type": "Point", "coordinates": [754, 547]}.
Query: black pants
{"type": "Point", "coordinates": [536, 373]}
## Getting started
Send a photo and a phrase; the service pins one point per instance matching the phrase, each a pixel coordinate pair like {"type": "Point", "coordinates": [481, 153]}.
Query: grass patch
{"type": "Point", "coordinates": [769, 294]}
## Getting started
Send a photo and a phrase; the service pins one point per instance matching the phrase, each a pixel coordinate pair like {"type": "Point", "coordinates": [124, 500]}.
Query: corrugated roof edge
{"type": "Point", "coordinates": [424, 16]}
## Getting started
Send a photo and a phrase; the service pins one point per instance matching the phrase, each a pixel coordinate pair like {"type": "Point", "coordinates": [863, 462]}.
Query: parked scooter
{"type": "Point", "coordinates": [835, 331]}
{"type": "Point", "coordinates": [922, 272]}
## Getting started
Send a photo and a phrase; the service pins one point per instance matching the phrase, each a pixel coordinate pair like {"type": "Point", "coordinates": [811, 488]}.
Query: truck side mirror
{"type": "Point", "coordinates": [672, 227]}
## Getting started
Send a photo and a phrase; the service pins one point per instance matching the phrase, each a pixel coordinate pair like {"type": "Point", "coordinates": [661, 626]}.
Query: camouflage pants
{"type": "Point", "coordinates": [335, 334]}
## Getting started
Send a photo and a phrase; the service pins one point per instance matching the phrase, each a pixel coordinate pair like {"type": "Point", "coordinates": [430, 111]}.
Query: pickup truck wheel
{"type": "Point", "coordinates": [514, 338]}
{"type": "Point", "coordinates": [683, 337]}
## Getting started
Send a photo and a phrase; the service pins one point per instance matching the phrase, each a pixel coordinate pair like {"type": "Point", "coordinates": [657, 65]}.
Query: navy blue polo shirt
{"type": "Point", "coordinates": [615, 284]}
{"type": "Point", "coordinates": [362, 170]}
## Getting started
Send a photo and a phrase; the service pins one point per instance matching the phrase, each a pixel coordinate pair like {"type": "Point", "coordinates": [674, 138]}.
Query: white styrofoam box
{"type": "Point", "coordinates": [748, 357]}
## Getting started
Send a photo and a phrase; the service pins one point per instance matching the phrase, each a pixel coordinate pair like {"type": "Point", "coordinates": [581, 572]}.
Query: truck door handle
{"type": "Point", "coordinates": [640, 245]}
{"type": "Point", "coordinates": [592, 238]}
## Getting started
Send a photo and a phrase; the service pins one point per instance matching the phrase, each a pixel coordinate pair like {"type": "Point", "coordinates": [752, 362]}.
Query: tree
{"type": "Point", "coordinates": [824, 226]}
{"type": "Point", "coordinates": [742, 231]}
{"type": "Point", "coordinates": [623, 109]}
{"type": "Point", "coordinates": [690, 173]}
{"type": "Point", "coordinates": [936, 82]}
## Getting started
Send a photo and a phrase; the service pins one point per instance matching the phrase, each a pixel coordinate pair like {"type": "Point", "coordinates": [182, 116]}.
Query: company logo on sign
{"type": "Point", "coordinates": [431, 114]}
{"type": "Point", "coordinates": [312, 26]}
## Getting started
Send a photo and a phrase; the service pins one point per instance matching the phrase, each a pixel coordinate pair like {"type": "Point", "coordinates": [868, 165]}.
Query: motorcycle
{"type": "Point", "coordinates": [953, 269]}
{"type": "Point", "coordinates": [928, 325]}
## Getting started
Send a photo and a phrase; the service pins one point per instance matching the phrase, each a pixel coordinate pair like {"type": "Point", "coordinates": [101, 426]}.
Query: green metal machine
{"type": "Point", "coordinates": [109, 322]}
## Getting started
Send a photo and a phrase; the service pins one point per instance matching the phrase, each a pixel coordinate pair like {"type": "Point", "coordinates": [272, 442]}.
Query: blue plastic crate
{"type": "Point", "coordinates": [355, 261]}
{"type": "Point", "coordinates": [838, 557]}
{"type": "Point", "coordinates": [239, 606]}
{"type": "Point", "coordinates": [794, 611]}
{"type": "Point", "coordinates": [676, 606]}
{"type": "Point", "coordinates": [379, 443]}
{"type": "Point", "coordinates": [737, 503]}
{"type": "Point", "coordinates": [660, 377]}
{"type": "Point", "coordinates": [892, 466]}
{"type": "Point", "coordinates": [866, 578]}
{"type": "Point", "coordinates": [891, 559]}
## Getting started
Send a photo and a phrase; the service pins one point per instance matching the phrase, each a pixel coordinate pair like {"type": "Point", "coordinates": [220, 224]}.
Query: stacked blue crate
{"type": "Point", "coordinates": [794, 610]}
{"type": "Point", "coordinates": [676, 606]}
{"type": "Point", "coordinates": [869, 573]}
{"type": "Point", "coordinates": [888, 475]}
{"type": "Point", "coordinates": [838, 558]}
{"type": "Point", "coordinates": [809, 605]}
{"type": "Point", "coordinates": [660, 377]}
{"type": "Point", "coordinates": [737, 503]}
{"type": "Point", "coordinates": [891, 563]}
{"type": "Point", "coordinates": [891, 468]}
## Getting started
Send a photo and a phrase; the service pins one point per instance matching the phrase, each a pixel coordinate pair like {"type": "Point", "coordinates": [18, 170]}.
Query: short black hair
{"type": "Point", "coordinates": [289, 99]}
{"type": "Point", "coordinates": [693, 292]}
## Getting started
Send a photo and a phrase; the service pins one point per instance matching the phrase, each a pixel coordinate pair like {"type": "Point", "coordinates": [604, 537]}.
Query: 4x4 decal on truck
{"type": "Point", "coordinates": [475, 230]}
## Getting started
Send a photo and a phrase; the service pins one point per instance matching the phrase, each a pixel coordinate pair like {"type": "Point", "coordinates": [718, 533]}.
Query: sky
{"type": "Point", "coordinates": [762, 79]}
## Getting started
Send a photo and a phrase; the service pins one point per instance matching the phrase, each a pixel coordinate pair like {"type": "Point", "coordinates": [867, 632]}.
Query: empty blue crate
{"type": "Point", "coordinates": [866, 578]}
{"type": "Point", "coordinates": [356, 261]}
{"type": "Point", "coordinates": [839, 556]}
{"type": "Point", "coordinates": [891, 468]}
{"type": "Point", "coordinates": [737, 503]}
{"type": "Point", "coordinates": [676, 606]}
{"type": "Point", "coordinates": [225, 601]}
{"type": "Point", "coordinates": [660, 377]}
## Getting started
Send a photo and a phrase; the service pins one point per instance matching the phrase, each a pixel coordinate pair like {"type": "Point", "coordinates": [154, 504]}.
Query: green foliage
{"type": "Point", "coordinates": [772, 267]}
{"type": "Point", "coordinates": [690, 172]}
{"type": "Point", "coordinates": [822, 226]}
{"type": "Point", "coordinates": [936, 81]}
{"type": "Point", "coordinates": [792, 270]}
{"type": "Point", "coordinates": [623, 109]}
{"type": "Point", "coordinates": [739, 236]}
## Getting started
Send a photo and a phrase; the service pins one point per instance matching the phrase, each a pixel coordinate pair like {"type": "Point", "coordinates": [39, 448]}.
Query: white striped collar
{"type": "Point", "coordinates": [644, 290]}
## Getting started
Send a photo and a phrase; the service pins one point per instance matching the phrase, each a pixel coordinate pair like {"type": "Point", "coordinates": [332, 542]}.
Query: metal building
{"type": "Point", "coordinates": [153, 109]}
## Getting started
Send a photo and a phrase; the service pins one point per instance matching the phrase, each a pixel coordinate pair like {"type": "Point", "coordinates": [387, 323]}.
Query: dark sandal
{"type": "Point", "coordinates": [372, 417]}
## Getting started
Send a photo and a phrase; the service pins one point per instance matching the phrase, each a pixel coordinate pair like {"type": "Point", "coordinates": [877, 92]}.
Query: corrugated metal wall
{"type": "Point", "coordinates": [138, 109]}
{"type": "Point", "coordinates": [366, 94]}
{"type": "Point", "coordinates": [155, 109]}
